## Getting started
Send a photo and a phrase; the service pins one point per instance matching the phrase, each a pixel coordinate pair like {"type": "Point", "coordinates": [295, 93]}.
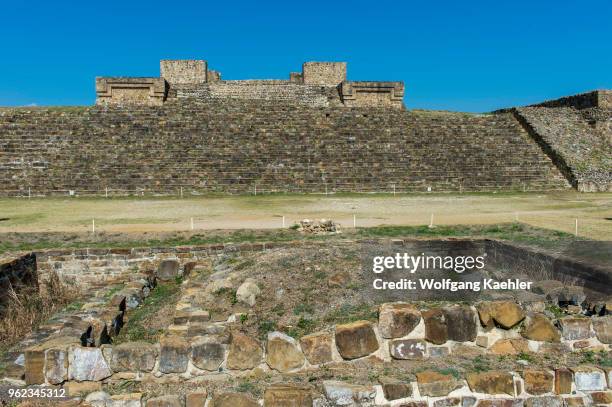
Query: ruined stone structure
{"type": "Point", "coordinates": [320, 84]}
{"type": "Point", "coordinates": [314, 132]}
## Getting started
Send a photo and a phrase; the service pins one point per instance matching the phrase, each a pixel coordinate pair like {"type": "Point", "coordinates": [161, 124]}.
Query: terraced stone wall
{"type": "Point", "coordinates": [237, 145]}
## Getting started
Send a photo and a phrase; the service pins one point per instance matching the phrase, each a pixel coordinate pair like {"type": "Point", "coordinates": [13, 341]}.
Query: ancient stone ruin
{"type": "Point", "coordinates": [315, 132]}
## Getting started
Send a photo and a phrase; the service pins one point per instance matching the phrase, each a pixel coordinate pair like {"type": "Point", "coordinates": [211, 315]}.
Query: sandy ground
{"type": "Point", "coordinates": [549, 210]}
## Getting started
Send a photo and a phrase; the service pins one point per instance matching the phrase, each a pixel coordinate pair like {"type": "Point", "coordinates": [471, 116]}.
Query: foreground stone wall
{"type": "Point", "coordinates": [238, 145]}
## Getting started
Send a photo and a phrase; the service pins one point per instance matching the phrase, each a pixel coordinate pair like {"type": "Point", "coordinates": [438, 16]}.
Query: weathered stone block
{"type": "Point", "coordinates": [494, 382]}
{"type": "Point", "coordinates": [589, 379]}
{"type": "Point", "coordinates": [233, 400]}
{"type": "Point", "coordinates": [244, 352]}
{"type": "Point", "coordinates": [56, 368]}
{"type": "Point", "coordinates": [283, 352]}
{"type": "Point", "coordinates": [436, 330]}
{"type": "Point", "coordinates": [317, 347]}
{"type": "Point", "coordinates": [207, 353]}
{"type": "Point", "coordinates": [563, 381]}
{"type": "Point", "coordinates": [285, 395]}
{"type": "Point", "coordinates": [87, 364]}
{"type": "Point", "coordinates": [397, 319]}
{"type": "Point", "coordinates": [505, 314]}
{"type": "Point", "coordinates": [510, 346]}
{"type": "Point", "coordinates": [133, 357]}
{"type": "Point", "coordinates": [544, 401]}
{"type": "Point", "coordinates": [603, 328]}
{"type": "Point", "coordinates": [538, 381]}
{"type": "Point", "coordinates": [196, 399]}
{"type": "Point", "coordinates": [356, 340]}
{"type": "Point", "coordinates": [127, 400]}
{"type": "Point", "coordinates": [173, 355]}
{"type": "Point", "coordinates": [436, 384]}
{"type": "Point", "coordinates": [539, 328]}
{"type": "Point", "coordinates": [344, 394]}
{"type": "Point", "coordinates": [394, 389]}
{"type": "Point", "coordinates": [407, 348]}
{"type": "Point", "coordinates": [165, 401]}
{"type": "Point", "coordinates": [168, 270]}
{"type": "Point", "coordinates": [573, 328]}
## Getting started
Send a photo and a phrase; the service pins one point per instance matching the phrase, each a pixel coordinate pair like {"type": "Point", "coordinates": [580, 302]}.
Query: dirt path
{"type": "Point", "coordinates": [549, 210]}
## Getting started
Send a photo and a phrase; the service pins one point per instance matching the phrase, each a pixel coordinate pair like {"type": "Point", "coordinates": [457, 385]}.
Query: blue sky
{"type": "Point", "coordinates": [455, 55]}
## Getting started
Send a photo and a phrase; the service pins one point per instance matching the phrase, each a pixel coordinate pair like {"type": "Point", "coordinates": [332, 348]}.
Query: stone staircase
{"type": "Point", "coordinates": [238, 145]}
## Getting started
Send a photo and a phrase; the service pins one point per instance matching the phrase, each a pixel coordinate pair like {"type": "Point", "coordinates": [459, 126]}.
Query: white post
{"type": "Point", "coordinates": [325, 189]}
{"type": "Point", "coordinates": [255, 189]}
{"type": "Point", "coordinates": [576, 227]}
{"type": "Point", "coordinates": [106, 192]}
{"type": "Point", "coordinates": [93, 226]}
{"type": "Point", "coordinates": [354, 221]}
{"type": "Point", "coordinates": [283, 222]}
{"type": "Point", "coordinates": [393, 189]}
{"type": "Point", "coordinates": [516, 217]}
{"type": "Point", "coordinates": [181, 192]}
{"type": "Point", "coordinates": [431, 221]}
{"type": "Point", "coordinates": [191, 223]}
{"type": "Point", "coordinates": [29, 192]}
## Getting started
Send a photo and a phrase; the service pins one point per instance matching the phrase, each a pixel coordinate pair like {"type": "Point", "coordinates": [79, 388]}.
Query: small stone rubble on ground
{"type": "Point", "coordinates": [322, 226]}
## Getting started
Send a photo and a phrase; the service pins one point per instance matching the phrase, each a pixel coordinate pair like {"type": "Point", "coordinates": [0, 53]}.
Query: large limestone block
{"type": "Point", "coordinates": [232, 400]}
{"type": "Point", "coordinates": [512, 346]}
{"type": "Point", "coordinates": [539, 328]}
{"type": "Point", "coordinates": [247, 292]}
{"type": "Point", "coordinates": [603, 328]}
{"type": "Point", "coordinates": [174, 354]}
{"type": "Point", "coordinates": [283, 352]}
{"type": "Point", "coordinates": [127, 400]}
{"type": "Point", "coordinates": [573, 328]}
{"type": "Point", "coordinates": [356, 340]}
{"type": "Point", "coordinates": [344, 394]}
{"type": "Point", "coordinates": [244, 352]}
{"type": "Point", "coordinates": [56, 368]}
{"type": "Point", "coordinates": [394, 389]}
{"type": "Point", "coordinates": [493, 382]}
{"type": "Point", "coordinates": [544, 401]}
{"type": "Point", "coordinates": [317, 347]}
{"type": "Point", "coordinates": [538, 381]}
{"type": "Point", "coordinates": [461, 323]}
{"type": "Point", "coordinates": [168, 270]}
{"type": "Point", "coordinates": [589, 379]}
{"type": "Point", "coordinates": [397, 319]}
{"type": "Point", "coordinates": [563, 381]}
{"type": "Point", "coordinates": [165, 401]}
{"type": "Point", "coordinates": [436, 330]}
{"type": "Point", "coordinates": [133, 357]}
{"type": "Point", "coordinates": [196, 399]}
{"type": "Point", "coordinates": [207, 353]}
{"type": "Point", "coordinates": [436, 384]}
{"type": "Point", "coordinates": [285, 395]}
{"type": "Point", "coordinates": [34, 359]}
{"type": "Point", "coordinates": [87, 364]}
{"type": "Point", "coordinates": [505, 314]}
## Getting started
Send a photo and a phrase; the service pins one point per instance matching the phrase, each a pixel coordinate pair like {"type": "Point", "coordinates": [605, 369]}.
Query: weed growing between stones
{"type": "Point", "coordinates": [28, 307]}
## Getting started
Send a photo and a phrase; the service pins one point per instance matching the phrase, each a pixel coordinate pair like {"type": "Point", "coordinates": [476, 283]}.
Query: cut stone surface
{"type": "Point", "coordinates": [74, 389]}
{"type": "Point", "coordinates": [436, 384]}
{"type": "Point", "coordinates": [563, 381]}
{"type": "Point", "coordinates": [539, 328]}
{"type": "Point", "coordinates": [127, 400]}
{"type": "Point", "coordinates": [207, 353]}
{"type": "Point", "coordinates": [510, 346]}
{"type": "Point", "coordinates": [575, 328]}
{"type": "Point", "coordinates": [544, 401]}
{"type": "Point", "coordinates": [493, 382]}
{"type": "Point", "coordinates": [438, 351]}
{"type": "Point", "coordinates": [538, 381]}
{"type": "Point", "coordinates": [317, 347]}
{"type": "Point", "coordinates": [407, 348]}
{"type": "Point", "coordinates": [173, 355]}
{"type": "Point", "coordinates": [343, 394]}
{"type": "Point", "coordinates": [436, 330]}
{"type": "Point", "coordinates": [283, 352]}
{"type": "Point", "coordinates": [396, 320]}
{"type": "Point", "coordinates": [356, 340]}
{"type": "Point", "coordinates": [99, 399]}
{"type": "Point", "coordinates": [247, 292]}
{"type": "Point", "coordinates": [589, 379]}
{"type": "Point", "coordinates": [56, 368]}
{"type": "Point", "coordinates": [165, 401]}
{"type": "Point", "coordinates": [449, 402]}
{"type": "Point", "coordinates": [461, 323]}
{"type": "Point", "coordinates": [168, 270]}
{"type": "Point", "coordinates": [394, 389]}
{"type": "Point", "coordinates": [34, 357]}
{"type": "Point", "coordinates": [197, 399]}
{"type": "Point", "coordinates": [87, 364]}
{"type": "Point", "coordinates": [603, 328]}
{"type": "Point", "coordinates": [233, 400]}
{"type": "Point", "coordinates": [283, 395]}
{"type": "Point", "coordinates": [505, 314]}
{"type": "Point", "coordinates": [244, 352]}
{"type": "Point", "coordinates": [133, 357]}
{"type": "Point", "coordinates": [602, 397]}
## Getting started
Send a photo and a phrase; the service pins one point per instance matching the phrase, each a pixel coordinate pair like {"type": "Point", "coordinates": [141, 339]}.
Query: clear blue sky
{"type": "Point", "coordinates": [455, 55]}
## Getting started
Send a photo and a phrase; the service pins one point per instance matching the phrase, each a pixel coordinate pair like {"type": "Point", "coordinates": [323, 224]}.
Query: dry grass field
{"type": "Point", "coordinates": [557, 211]}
